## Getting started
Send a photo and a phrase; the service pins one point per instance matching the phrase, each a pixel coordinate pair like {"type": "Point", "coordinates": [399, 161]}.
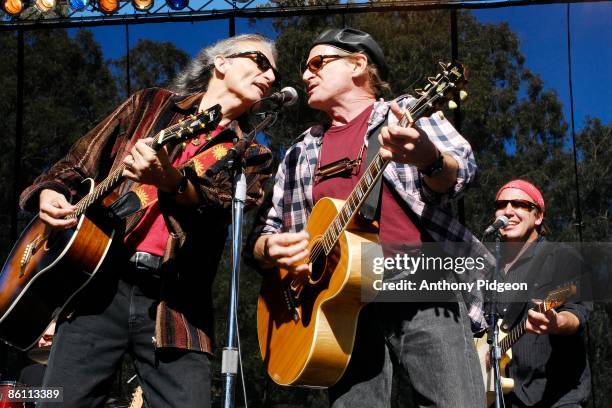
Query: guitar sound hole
{"type": "Point", "coordinates": [318, 269]}
{"type": "Point", "coordinates": [57, 239]}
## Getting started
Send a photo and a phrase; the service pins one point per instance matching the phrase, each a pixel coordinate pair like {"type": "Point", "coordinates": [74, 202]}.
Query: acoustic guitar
{"type": "Point", "coordinates": [306, 325]}
{"type": "Point", "coordinates": [553, 300]}
{"type": "Point", "coordinates": [47, 267]}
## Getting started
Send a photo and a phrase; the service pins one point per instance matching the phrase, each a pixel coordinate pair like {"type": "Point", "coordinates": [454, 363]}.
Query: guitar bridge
{"type": "Point", "coordinates": [292, 303]}
{"type": "Point", "coordinates": [26, 257]}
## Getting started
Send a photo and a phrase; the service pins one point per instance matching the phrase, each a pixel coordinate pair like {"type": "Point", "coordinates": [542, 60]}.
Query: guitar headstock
{"type": "Point", "coordinates": [558, 297]}
{"type": "Point", "coordinates": [206, 121]}
{"type": "Point", "coordinates": [442, 88]}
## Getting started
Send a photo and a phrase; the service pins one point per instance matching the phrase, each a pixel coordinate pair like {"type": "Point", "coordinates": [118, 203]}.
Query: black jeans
{"type": "Point", "coordinates": [116, 315]}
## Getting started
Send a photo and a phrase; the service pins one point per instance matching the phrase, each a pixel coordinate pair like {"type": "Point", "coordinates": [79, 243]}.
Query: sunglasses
{"type": "Point", "coordinates": [316, 63]}
{"type": "Point", "coordinates": [263, 63]}
{"type": "Point", "coordinates": [516, 204]}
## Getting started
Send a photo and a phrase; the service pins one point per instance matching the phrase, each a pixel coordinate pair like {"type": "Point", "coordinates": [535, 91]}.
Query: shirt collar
{"type": "Point", "coordinates": [188, 102]}
{"type": "Point", "coordinates": [531, 249]}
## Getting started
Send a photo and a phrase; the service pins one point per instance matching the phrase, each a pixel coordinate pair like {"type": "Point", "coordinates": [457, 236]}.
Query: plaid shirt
{"type": "Point", "coordinates": [292, 197]}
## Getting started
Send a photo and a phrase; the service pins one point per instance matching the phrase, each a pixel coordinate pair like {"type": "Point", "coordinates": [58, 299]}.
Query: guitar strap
{"type": "Point", "coordinates": [370, 210]}
{"type": "Point", "coordinates": [141, 196]}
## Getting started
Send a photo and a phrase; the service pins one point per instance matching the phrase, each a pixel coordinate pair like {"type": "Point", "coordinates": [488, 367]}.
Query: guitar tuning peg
{"type": "Point", "coordinates": [463, 95]}
{"type": "Point", "coordinates": [443, 64]}
{"type": "Point", "coordinates": [432, 79]}
{"type": "Point", "coordinates": [441, 115]}
{"type": "Point", "coordinates": [452, 105]}
{"type": "Point", "coordinates": [419, 91]}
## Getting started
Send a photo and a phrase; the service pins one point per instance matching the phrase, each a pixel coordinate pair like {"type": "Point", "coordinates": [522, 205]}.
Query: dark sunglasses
{"type": "Point", "coordinates": [317, 62]}
{"type": "Point", "coordinates": [516, 204]}
{"type": "Point", "coordinates": [263, 63]}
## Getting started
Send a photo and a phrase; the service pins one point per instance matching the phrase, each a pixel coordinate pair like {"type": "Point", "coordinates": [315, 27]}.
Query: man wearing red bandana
{"type": "Point", "coordinates": [549, 363]}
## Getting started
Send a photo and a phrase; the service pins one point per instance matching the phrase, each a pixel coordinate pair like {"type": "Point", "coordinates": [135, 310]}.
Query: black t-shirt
{"type": "Point", "coordinates": [548, 369]}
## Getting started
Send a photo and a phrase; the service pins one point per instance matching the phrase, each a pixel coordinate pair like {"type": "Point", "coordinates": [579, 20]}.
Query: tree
{"type": "Point", "coordinates": [67, 89]}
{"type": "Point", "coordinates": [151, 64]}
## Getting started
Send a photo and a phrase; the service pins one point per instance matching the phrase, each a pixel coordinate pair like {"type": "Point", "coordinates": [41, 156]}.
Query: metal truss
{"type": "Point", "coordinates": [197, 10]}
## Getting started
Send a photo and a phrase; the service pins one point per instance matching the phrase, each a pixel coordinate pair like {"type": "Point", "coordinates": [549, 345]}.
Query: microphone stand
{"type": "Point", "coordinates": [493, 318]}
{"type": "Point", "coordinates": [233, 161]}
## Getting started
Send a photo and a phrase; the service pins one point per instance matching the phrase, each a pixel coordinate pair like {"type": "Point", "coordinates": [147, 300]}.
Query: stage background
{"type": "Point", "coordinates": [518, 120]}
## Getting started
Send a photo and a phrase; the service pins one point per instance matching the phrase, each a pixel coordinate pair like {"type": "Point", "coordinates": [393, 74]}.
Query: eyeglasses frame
{"type": "Point", "coordinates": [262, 62]}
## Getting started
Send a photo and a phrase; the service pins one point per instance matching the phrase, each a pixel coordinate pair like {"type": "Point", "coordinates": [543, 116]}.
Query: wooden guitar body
{"type": "Point", "coordinates": [44, 271]}
{"type": "Point", "coordinates": [482, 348]}
{"type": "Point", "coordinates": [315, 349]}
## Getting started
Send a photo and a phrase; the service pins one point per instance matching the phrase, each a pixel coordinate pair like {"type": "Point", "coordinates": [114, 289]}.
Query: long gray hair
{"type": "Point", "coordinates": [195, 77]}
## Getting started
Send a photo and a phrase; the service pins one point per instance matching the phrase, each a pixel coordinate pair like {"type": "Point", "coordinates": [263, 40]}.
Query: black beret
{"type": "Point", "coordinates": [352, 40]}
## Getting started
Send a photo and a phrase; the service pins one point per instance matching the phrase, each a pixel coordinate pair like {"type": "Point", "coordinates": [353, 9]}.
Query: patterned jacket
{"type": "Point", "coordinates": [184, 313]}
{"type": "Point", "coordinates": [292, 198]}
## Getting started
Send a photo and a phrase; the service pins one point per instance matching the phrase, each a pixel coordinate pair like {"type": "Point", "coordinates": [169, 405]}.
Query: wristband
{"type": "Point", "coordinates": [434, 168]}
{"type": "Point", "coordinates": [181, 186]}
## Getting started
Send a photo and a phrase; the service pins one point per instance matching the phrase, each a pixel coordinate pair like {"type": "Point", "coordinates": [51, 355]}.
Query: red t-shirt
{"type": "Point", "coordinates": [396, 225]}
{"type": "Point", "coordinates": [151, 233]}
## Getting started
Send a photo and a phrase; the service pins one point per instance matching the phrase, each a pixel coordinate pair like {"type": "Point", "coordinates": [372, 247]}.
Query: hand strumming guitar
{"type": "Point", "coordinates": [54, 208]}
{"type": "Point", "coordinates": [286, 250]}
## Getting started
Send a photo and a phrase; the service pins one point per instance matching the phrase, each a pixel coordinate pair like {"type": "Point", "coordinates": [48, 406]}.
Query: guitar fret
{"type": "Point", "coordinates": [352, 203]}
{"type": "Point", "coordinates": [185, 126]}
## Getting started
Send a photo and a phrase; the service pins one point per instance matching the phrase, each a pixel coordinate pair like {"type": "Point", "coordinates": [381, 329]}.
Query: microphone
{"type": "Point", "coordinates": [500, 222]}
{"type": "Point", "coordinates": [285, 97]}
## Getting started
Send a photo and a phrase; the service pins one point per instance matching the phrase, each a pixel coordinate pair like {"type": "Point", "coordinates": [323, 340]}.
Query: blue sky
{"type": "Point", "coordinates": [541, 30]}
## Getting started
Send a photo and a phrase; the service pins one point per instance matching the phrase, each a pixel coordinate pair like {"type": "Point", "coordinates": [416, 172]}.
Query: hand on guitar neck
{"type": "Point", "coordinates": [403, 143]}
{"type": "Point", "coordinates": [287, 250]}
{"type": "Point", "coordinates": [406, 145]}
{"type": "Point", "coordinates": [147, 166]}
{"type": "Point", "coordinates": [54, 208]}
{"type": "Point", "coordinates": [551, 322]}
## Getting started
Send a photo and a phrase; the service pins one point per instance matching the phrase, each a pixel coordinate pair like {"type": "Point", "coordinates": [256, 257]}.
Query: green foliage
{"type": "Point", "coordinates": [151, 64]}
{"type": "Point", "coordinates": [67, 90]}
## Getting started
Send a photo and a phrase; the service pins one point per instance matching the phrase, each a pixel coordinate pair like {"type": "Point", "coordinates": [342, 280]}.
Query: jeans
{"type": "Point", "coordinates": [432, 342]}
{"type": "Point", "coordinates": [116, 315]}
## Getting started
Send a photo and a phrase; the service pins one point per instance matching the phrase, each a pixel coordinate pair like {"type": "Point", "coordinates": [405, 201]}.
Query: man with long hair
{"type": "Point", "coordinates": [152, 298]}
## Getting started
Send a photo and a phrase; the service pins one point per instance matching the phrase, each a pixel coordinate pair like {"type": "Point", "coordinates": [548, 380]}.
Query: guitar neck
{"type": "Point", "coordinates": [354, 202]}
{"type": "Point", "coordinates": [114, 179]}
{"type": "Point", "coordinates": [359, 194]}
{"type": "Point", "coordinates": [507, 342]}
{"type": "Point", "coordinates": [178, 131]}
{"type": "Point", "coordinates": [107, 185]}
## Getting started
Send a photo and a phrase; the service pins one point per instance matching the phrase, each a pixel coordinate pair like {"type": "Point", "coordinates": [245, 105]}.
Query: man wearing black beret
{"type": "Point", "coordinates": [431, 164]}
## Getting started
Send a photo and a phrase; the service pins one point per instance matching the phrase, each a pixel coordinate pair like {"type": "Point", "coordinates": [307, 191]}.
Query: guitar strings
{"type": "Point", "coordinates": [82, 205]}
{"type": "Point", "coordinates": [329, 241]}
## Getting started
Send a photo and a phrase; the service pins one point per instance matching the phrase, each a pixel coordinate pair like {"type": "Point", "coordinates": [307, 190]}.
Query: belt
{"type": "Point", "coordinates": [146, 260]}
